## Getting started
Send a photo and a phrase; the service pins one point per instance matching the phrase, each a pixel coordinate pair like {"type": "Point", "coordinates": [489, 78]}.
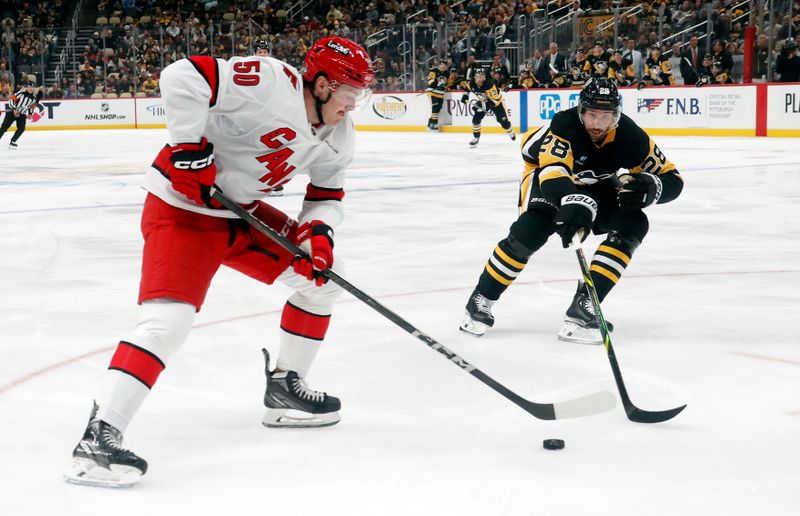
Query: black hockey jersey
{"type": "Point", "coordinates": [622, 72]}
{"type": "Point", "coordinates": [487, 91]}
{"type": "Point", "coordinates": [562, 156]}
{"type": "Point", "coordinates": [437, 82]}
{"type": "Point", "coordinates": [658, 71]}
{"type": "Point", "coordinates": [597, 65]}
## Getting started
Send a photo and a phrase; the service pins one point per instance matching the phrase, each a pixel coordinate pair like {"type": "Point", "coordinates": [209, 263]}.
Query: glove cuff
{"type": "Point", "coordinates": [581, 200]}
{"type": "Point", "coordinates": [319, 228]}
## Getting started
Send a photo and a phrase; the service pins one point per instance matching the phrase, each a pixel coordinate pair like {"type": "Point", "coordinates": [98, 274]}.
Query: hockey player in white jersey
{"type": "Point", "coordinates": [247, 125]}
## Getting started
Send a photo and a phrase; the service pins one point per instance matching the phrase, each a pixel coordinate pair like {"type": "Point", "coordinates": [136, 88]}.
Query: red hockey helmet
{"type": "Point", "coordinates": [341, 60]}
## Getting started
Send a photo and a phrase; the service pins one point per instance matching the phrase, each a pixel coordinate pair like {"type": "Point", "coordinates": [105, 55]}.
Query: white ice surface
{"type": "Point", "coordinates": [707, 314]}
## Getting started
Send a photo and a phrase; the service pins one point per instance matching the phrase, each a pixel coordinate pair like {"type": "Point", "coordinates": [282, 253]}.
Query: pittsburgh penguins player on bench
{"type": "Point", "coordinates": [570, 184]}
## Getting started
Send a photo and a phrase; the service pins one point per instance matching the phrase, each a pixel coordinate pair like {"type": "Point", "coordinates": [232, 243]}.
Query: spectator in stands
{"type": "Point", "coordinates": [553, 63]}
{"type": "Point", "coordinates": [6, 90]}
{"type": "Point", "coordinates": [72, 92]}
{"type": "Point", "coordinates": [788, 63]}
{"type": "Point", "coordinates": [635, 56]}
{"type": "Point", "coordinates": [761, 58]}
{"type": "Point", "coordinates": [787, 29]}
{"type": "Point", "coordinates": [722, 56]}
{"type": "Point", "coordinates": [150, 86]}
{"type": "Point", "coordinates": [691, 61]}
{"type": "Point", "coordinates": [54, 92]}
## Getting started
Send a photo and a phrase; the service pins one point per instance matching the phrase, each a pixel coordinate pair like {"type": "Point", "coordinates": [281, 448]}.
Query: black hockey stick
{"type": "Point", "coordinates": [633, 412]}
{"type": "Point", "coordinates": [591, 404]}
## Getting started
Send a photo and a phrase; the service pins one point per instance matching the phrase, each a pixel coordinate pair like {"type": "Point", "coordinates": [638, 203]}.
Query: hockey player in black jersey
{"type": "Point", "coordinates": [571, 186]}
{"type": "Point", "coordinates": [657, 69]}
{"type": "Point", "coordinates": [705, 74]}
{"type": "Point", "coordinates": [489, 98]}
{"type": "Point", "coordinates": [19, 106]}
{"type": "Point", "coordinates": [597, 62]}
{"type": "Point", "coordinates": [437, 85]}
{"type": "Point", "coordinates": [620, 69]}
{"type": "Point", "coordinates": [578, 69]}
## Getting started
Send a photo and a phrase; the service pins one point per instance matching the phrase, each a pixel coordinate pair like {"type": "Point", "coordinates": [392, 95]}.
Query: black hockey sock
{"type": "Point", "coordinates": [608, 264]}
{"type": "Point", "coordinates": [501, 270]}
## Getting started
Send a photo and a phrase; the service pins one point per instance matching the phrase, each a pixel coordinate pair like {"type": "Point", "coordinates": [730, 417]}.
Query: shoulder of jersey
{"type": "Point", "coordinates": [630, 130]}
{"type": "Point", "coordinates": [563, 123]}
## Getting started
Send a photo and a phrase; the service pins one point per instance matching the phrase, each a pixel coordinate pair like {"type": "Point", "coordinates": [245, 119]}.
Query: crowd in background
{"type": "Point", "coordinates": [134, 39]}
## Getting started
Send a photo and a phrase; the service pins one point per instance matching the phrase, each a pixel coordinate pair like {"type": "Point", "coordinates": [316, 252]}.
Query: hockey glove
{"type": "Point", "coordinates": [638, 191]}
{"type": "Point", "coordinates": [464, 98]}
{"type": "Point", "coordinates": [316, 238]}
{"type": "Point", "coordinates": [576, 213]}
{"type": "Point", "coordinates": [191, 168]}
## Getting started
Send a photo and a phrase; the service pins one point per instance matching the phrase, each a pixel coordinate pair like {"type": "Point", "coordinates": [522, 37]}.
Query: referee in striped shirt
{"type": "Point", "coordinates": [19, 106]}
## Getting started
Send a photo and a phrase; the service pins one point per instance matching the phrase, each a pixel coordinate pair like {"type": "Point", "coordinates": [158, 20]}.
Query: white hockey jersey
{"type": "Point", "coordinates": [252, 110]}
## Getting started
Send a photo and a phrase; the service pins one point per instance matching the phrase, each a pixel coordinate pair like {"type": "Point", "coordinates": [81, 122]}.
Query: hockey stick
{"type": "Point", "coordinates": [591, 404]}
{"type": "Point", "coordinates": [633, 412]}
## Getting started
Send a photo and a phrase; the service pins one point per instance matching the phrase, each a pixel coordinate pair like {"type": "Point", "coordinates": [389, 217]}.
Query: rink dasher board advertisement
{"type": "Point", "coordinates": [707, 111]}
{"type": "Point", "coordinates": [394, 112]}
{"type": "Point", "coordinates": [735, 110]}
{"type": "Point", "coordinates": [82, 114]}
{"type": "Point", "coordinates": [783, 110]}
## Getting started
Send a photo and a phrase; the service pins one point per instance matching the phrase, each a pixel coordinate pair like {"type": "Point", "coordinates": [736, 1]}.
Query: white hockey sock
{"type": "Point", "coordinates": [162, 329]}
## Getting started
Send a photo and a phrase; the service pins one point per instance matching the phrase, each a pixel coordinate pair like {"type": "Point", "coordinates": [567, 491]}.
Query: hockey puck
{"type": "Point", "coordinates": [553, 444]}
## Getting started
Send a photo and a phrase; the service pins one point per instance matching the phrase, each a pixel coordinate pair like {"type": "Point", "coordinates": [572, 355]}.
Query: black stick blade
{"type": "Point", "coordinates": [638, 415]}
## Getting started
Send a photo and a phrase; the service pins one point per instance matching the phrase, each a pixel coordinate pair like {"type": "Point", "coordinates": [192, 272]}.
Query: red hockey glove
{"type": "Point", "coordinates": [316, 238]}
{"type": "Point", "coordinates": [191, 168]}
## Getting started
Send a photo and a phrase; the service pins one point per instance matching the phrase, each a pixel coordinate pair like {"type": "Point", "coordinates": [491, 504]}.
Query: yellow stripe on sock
{"type": "Point", "coordinates": [497, 276]}
{"type": "Point", "coordinates": [508, 259]}
{"type": "Point", "coordinates": [605, 272]}
{"type": "Point", "coordinates": [616, 252]}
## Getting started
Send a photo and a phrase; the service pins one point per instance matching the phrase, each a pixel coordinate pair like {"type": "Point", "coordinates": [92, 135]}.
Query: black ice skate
{"type": "Point", "coordinates": [474, 142]}
{"type": "Point", "coordinates": [580, 325]}
{"type": "Point", "coordinates": [12, 145]}
{"type": "Point", "coordinates": [100, 460]}
{"type": "Point", "coordinates": [511, 134]}
{"type": "Point", "coordinates": [290, 403]}
{"type": "Point", "coordinates": [478, 316]}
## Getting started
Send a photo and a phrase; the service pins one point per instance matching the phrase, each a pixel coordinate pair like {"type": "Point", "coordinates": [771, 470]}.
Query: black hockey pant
{"type": "Point", "coordinates": [8, 120]}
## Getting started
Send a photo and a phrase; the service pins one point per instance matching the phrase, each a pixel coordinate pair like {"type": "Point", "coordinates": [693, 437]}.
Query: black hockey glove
{"type": "Point", "coordinates": [464, 98]}
{"type": "Point", "coordinates": [638, 191]}
{"type": "Point", "coordinates": [576, 213]}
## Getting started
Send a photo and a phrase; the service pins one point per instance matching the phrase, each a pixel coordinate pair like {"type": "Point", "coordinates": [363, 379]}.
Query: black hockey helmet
{"type": "Point", "coordinates": [263, 44]}
{"type": "Point", "coordinates": [655, 46]}
{"type": "Point", "coordinates": [600, 93]}
{"type": "Point", "coordinates": [790, 45]}
{"type": "Point", "coordinates": [619, 51]}
{"type": "Point", "coordinates": [480, 71]}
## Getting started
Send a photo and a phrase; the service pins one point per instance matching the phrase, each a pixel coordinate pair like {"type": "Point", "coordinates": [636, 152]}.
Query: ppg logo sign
{"type": "Point", "coordinates": [549, 105]}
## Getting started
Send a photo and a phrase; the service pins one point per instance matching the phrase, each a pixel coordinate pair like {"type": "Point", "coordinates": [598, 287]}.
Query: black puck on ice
{"type": "Point", "coordinates": [553, 444]}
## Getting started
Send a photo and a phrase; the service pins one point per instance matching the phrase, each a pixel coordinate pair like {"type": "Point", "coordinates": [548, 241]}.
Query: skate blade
{"type": "Point", "coordinates": [474, 328]}
{"type": "Point", "coordinates": [290, 418]}
{"type": "Point", "coordinates": [85, 472]}
{"type": "Point", "coordinates": [571, 332]}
